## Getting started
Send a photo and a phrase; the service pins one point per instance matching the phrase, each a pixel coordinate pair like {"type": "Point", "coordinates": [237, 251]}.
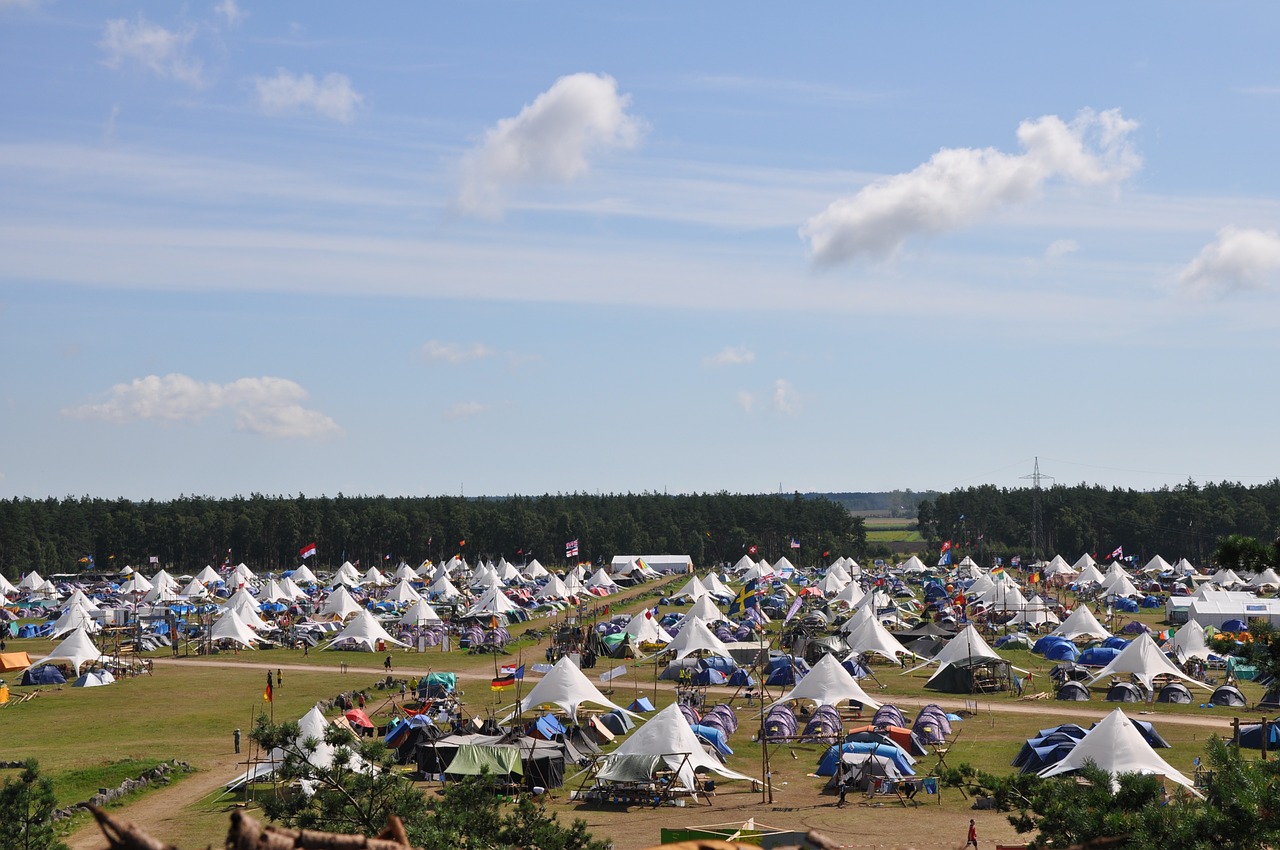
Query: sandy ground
{"type": "Point", "coordinates": [860, 823]}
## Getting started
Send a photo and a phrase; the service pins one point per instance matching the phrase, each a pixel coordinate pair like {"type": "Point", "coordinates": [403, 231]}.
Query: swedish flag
{"type": "Point", "coordinates": [745, 599]}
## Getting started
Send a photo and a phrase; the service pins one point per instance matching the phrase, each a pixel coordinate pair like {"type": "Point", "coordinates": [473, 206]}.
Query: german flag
{"type": "Point", "coordinates": [501, 683]}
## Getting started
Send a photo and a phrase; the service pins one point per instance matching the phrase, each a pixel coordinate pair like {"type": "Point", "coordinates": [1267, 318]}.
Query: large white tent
{"type": "Point", "coordinates": [363, 630]}
{"type": "Point", "coordinates": [420, 613]}
{"type": "Point", "coordinates": [668, 736]}
{"type": "Point", "coordinates": [230, 627]}
{"type": "Point", "coordinates": [1081, 624]}
{"type": "Point", "coordinates": [1144, 660]}
{"type": "Point", "coordinates": [76, 650]}
{"type": "Point", "coordinates": [567, 687]}
{"type": "Point", "coordinates": [828, 683]}
{"type": "Point", "coordinates": [694, 636]}
{"type": "Point", "coordinates": [1189, 642]}
{"type": "Point", "coordinates": [340, 604]}
{"type": "Point", "coordinates": [1116, 746]}
{"type": "Point", "coordinates": [75, 617]}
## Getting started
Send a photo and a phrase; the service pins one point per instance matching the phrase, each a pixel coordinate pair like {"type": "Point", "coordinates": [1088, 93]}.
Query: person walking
{"type": "Point", "coordinates": [279, 677]}
{"type": "Point", "coordinates": [973, 834]}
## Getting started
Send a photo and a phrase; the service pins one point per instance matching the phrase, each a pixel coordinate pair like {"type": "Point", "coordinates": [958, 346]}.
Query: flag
{"type": "Point", "coordinates": [571, 548]}
{"type": "Point", "coordinates": [745, 599]}
{"type": "Point", "coordinates": [753, 549]}
{"type": "Point", "coordinates": [826, 554]}
{"type": "Point", "coordinates": [462, 542]}
{"type": "Point", "coordinates": [153, 560]}
{"type": "Point", "coordinates": [946, 547]}
{"type": "Point", "coordinates": [795, 544]}
{"type": "Point", "coordinates": [502, 683]}
{"type": "Point", "coordinates": [307, 551]}
{"type": "Point", "coordinates": [386, 557]}
{"type": "Point", "coordinates": [641, 564]}
{"type": "Point", "coordinates": [997, 571]}
{"type": "Point", "coordinates": [267, 695]}
{"type": "Point", "coordinates": [1016, 560]}
{"type": "Point", "coordinates": [795, 606]}
{"type": "Point", "coordinates": [1035, 578]}
{"type": "Point", "coordinates": [512, 670]}
{"type": "Point", "coordinates": [1118, 553]}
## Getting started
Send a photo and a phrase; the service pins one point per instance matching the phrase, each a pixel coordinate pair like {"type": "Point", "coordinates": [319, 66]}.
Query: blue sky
{"type": "Point", "coordinates": [501, 248]}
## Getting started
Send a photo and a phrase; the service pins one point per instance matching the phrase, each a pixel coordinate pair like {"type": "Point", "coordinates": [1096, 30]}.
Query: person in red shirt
{"type": "Point", "coordinates": [973, 834]}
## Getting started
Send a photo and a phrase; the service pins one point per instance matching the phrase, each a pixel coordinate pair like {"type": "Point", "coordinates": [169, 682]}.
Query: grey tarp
{"type": "Point", "coordinates": [635, 768]}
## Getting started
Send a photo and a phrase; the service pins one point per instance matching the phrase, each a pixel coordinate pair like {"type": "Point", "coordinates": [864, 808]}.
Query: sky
{"type": "Point", "coordinates": [509, 247]}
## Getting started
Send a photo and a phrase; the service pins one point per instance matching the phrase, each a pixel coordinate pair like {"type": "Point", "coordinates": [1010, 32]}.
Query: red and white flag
{"type": "Point", "coordinates": [307, 551]}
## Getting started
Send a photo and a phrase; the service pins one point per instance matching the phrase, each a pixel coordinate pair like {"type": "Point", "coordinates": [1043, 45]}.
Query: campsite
{"type": "Point", "coordinates": [615, 729]}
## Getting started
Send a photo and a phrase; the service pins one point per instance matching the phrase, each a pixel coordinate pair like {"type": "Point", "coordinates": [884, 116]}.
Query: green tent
{"type": "Point", "coordinates": [474, 759]}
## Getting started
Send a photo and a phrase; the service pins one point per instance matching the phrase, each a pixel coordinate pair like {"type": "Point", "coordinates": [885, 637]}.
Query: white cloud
{"type": "Point", "coordinates": [732, 355]}
{"type": "Point", "coordinates": [332, 97]}
{"type": "Point", "coordinates": [162, 51]}
{"type": "Point", "coordinates": [230, 12]}
{"type": "Point", "coordinates": [1239, 259]}
{"type": "Point", "coordinates": [958, 186]}
{"type": "Point", "coordinates": [1060, 248]}
{"type": "Point", "coordinates": [453, 353]}
{"type": "Point", "coordinates": [466, 410]}
{"type": "Point", "coordinates": [785, 399]}
{"type": "Point", "coordinates": [550, 141]}
{"type": "Point", "coordinates": [267, 406]}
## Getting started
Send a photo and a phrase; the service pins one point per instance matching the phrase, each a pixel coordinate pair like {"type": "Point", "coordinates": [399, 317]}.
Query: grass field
{"type": "Point", "coordinates": [85, 738]}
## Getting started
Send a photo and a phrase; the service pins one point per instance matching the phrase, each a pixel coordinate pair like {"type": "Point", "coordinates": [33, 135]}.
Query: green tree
{"type": "Point", "coordinates": [1238, 811]}
{"type": "Point", "coordinates": [352, 787]}
{"type": "Point", "coordinates": [26, 812]}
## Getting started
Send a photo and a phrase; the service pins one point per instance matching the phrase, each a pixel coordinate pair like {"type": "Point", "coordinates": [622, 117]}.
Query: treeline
{"type": "Point", "coordinates": [1186, 521]}
{"type": "Point", "coordinates": [893, 503]}
{"type": "Point", "coordinates": [266, 532]}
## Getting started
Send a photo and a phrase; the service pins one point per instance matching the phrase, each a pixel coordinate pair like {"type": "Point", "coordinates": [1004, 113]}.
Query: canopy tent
{"type": "Point", "coordinates": [645, 628]}
{"type": "Point", "coordinates": [74, 618]}
{"type": "Point", "coordinates": [492, 601]}
{"type": "Point", "coordinates": [340, 604]}
{"type": "Point", "coordinates": [1116, 746]}
{"type": "Point", "coordinates": [363, 630]}
{"type": "Point", "coordinates": [567, 687]}
{"type": "Point", "coordinates": [870, 636]}
{"type": "Point", "coordinates": [667, 736]}
{"type": "Point", "coordinates": [1189, 641]}
{"type": "Point", "coordinates": [694, 637]}
{"type": "Point", "coordinates": [1081, 624]}
{"type": "Point", "coordinates": [1144, 660]}
{"type": "Point", "coordinates": [403, 593]}
{"type": "Point", "coordinates": [76, 650]}
{"type": "Point", "coordinates": [231, 627]}
{"type": "Point", "coordinates": [828, 683]}
{"type": "Point", "coordinates": [704, 608]}
{"type": "Point", "coordinates": [419, 614]}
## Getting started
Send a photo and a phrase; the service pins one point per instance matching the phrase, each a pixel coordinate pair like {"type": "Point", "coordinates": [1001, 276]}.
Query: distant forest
{"type": "Point", "coordinates": [1187, 521]}
{"type": "Point", "coordinates": [265, 532]}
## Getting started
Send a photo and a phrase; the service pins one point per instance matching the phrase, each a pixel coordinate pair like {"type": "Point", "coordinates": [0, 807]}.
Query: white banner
{"type": "Point", "coordinates": [613, 674]}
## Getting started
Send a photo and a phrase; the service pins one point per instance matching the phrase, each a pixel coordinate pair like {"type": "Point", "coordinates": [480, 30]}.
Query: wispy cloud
{"type": "Point", "coordinates": [466, 410]}
{"type": "Point", "coordinates": [731, 355]}
{"type": "Point", "coordinates": [782, 399]}
{"type": "Point", "coordinates": [267, 406]}
{"type": "Point", "coordinates": [550, 141]}
{"type": "Point", "coordinates": [230, 12]}
{"type": "Point", "coordinates": [785, 399]}
{"type": "Point", "coordinates": [286, 93]}
{"type": "Point", "coordinates": [1239, 259]}
{"type": "Point", "coordinates": [164, 52]}
{"type": "Point", "coordinates": [1060, 248]}
{"type": "Point", "coordinates": [958, 186]}
{"type": "Point", "coordinates": [454, 353]}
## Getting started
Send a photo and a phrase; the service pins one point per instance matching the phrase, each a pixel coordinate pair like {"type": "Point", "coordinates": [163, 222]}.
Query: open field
{"type": "Point", "coordinates": [189, 708]}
